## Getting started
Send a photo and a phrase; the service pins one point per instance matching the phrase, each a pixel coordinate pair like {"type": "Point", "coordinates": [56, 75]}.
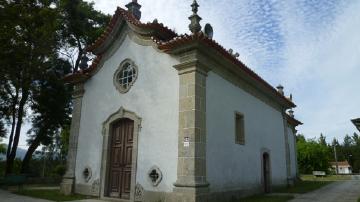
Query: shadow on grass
{"type": "Point", "coordinates": [301, 187]}
{"type": "Point", "coordinates": [53, 195]}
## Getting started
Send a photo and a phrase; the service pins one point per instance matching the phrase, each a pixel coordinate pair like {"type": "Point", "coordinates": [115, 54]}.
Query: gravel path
{"type": "Point", "coordinates": [342, 191]}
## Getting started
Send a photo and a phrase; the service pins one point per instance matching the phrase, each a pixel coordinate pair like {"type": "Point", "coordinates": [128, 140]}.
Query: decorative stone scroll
{"type": "Point", "coordinates": [95, 187]}
{"type": "Point", "coordinates": [139, 192]}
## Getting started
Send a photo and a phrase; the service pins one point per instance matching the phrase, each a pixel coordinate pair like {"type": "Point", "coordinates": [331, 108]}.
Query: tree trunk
{"type": "Point", "coordinates": [11, 137]}
{"type": "Point", "coordinates": [76, 68]}
{"type": "Point", "coordinates": [25, 163]}
{"type": "Point", "coordinates": [11, 158]}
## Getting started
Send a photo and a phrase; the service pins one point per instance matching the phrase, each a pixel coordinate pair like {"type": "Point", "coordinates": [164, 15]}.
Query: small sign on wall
{"type": "Point", "coordinates": [186, 141]}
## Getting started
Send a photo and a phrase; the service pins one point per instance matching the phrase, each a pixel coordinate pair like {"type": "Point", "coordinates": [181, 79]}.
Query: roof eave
{"type": "Point", "coordinates": [180, 46]}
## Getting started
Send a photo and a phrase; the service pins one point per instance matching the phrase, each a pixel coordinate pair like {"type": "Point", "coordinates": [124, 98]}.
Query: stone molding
{"type": "Point", "coordinates": [191, 171]}
{"type": "Point", "coordinates": [119, 69]}
{"type": "Point", "coordinates": [106, 126]}
{"type": "Point", "coordinates": [68, 184]}
{"type": "Point", "coordinates": [287, 148]}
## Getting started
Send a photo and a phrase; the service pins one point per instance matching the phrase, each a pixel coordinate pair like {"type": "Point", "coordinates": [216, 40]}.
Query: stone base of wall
{"type": "Point", "coordinates": [67, 186]}
{"type": "Point", "coordinates": [150, 196]}
{"type": "Point", "coordinates": [87, 190]}
{"type": "Point", "coordinates": [226, 196]}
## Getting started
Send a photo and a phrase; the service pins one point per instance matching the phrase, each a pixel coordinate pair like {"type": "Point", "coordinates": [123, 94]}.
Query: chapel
{"type": "Point", "coordinates": [162, 116]}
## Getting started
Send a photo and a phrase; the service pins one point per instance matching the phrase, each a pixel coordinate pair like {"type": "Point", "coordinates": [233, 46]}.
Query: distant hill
{"type": "Point", "coordinates": [20, 153]}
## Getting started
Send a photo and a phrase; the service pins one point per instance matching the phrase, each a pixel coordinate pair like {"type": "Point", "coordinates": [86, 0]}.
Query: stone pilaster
{"type": "Point", "coordinates": [68, 182]}
{"type": "Point", "coordinates": [290, 181]}
{"type": "Point", "coordinates": [191, 172]}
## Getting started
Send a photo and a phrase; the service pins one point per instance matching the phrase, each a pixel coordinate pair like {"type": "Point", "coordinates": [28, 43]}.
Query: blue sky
{"type": "Point", "coordinates": [312, 47]}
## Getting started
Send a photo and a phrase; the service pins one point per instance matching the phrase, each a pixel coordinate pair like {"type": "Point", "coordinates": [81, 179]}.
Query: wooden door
{"type": "Point", "coordinates": [119, 178]}
{"type": "Point", "coordinates": [266, 172]}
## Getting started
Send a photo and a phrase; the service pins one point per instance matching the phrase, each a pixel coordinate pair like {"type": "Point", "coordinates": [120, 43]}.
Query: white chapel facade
{"type": "Point", "coordinates": [165, 117]}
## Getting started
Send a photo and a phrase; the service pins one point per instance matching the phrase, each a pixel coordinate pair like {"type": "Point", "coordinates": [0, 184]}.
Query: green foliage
{"type": "Point", "coordinates": [28, 41]}
{"type": "Point", "coordinates": [2, 147]}
{"type": "Point", "coordinates": [2, 129]}
{"type": "Point", "coordinates": [81, 25]}
{"type": "Point", "coordinates": [60, 170]}
{"type": "Point", "coordinates": [34, 35]}
{"type": "Point", "coordinates": [312, 155]}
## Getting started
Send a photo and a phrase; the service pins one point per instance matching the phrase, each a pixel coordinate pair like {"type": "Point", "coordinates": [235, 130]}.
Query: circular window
{"type": "Point", "coordinates": [87, 173]}
{"type": "Point", "coordinates": [125, 76]}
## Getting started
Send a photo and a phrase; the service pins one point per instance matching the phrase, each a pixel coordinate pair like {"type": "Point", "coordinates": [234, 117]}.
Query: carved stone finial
{"type": "Point", "coordinates": [291, 113]}
{"type": "Point", "coordinates": [195, 19]}
{"type": "Point", "coordinates": [134, 8]}
{"type": "Point", "coordinates": [280, 89]}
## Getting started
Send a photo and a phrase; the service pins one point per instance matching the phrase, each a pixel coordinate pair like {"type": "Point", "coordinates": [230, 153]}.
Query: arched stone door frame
{"type": "Point", "coordinates": [265, 157]}
{"type": "Point", "coordinates": [120, 114]}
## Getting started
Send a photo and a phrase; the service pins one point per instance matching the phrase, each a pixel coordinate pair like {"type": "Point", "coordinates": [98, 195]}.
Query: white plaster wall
{"type": "Point", "coordinates": [232, 166]}
{"type": "Point", "coordinates": [153, 97]}
{"type": "Point", "coordinates": [292, 148]}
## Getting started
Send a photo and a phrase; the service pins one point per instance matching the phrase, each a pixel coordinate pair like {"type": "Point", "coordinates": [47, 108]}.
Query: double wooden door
{"type": "Point", "coordinates": [119, 178]}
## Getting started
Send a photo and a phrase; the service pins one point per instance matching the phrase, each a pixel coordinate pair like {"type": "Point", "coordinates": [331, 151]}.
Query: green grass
{"type": "Point", "coordinates": [263, 198]}
{"type": "Point", "coordinates": [53, 195]}
{"type": "Point", "coordinates": [302, 187]}
{"type": "Point", "coordinates": [326, 178]}
{"type": "Point", "coordinates": [359, 200]}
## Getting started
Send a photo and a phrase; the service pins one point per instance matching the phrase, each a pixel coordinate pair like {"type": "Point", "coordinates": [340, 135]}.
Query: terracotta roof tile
{"type": "Point", "coordinates": [167, 40]}
{"type": "Point", "coordinates": [200, 37]}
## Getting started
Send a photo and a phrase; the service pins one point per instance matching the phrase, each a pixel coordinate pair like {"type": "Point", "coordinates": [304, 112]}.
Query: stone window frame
{"type": "Point", "coordinates": [239, 122]}
{"type": "Point", "coordinates": [119, 114]}
{"type": "Point", "coordinates": [121, 67]}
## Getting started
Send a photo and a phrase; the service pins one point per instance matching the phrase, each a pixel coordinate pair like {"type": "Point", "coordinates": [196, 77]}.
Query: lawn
{"type": "Point", "coordinates": [262, 198]}
{"type": "Point", "coordinates": [53, 195]}
{"type": "Point", "coordinates": [326, 178]}
{"type": "Point", "coordinates": [303, 187]}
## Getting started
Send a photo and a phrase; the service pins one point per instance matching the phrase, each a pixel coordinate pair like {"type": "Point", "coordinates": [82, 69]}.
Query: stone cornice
{"type": "Point", "coordinates": [219, 57]}
{"type": "Point", "coordinates": [78, 91]}
{"type": "Point", "coordinates": [192, 66]}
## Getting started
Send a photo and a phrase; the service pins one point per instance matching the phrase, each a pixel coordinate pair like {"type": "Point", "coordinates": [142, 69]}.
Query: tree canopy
{"type": "Point", "coordinates": [35, 34]}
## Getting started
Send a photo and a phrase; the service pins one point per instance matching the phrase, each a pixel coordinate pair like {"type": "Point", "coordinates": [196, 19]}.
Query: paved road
{"type": "Point", "coordinates": [6, 196]}
{"type": "Point", "coordinates": [342, 191]}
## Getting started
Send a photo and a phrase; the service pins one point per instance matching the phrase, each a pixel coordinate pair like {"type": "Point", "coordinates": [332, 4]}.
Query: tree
{"type": "Point", "coordinates": [356, 139]}
{"type": "Point", "coordinates": [312, 156]}
{"type": "Point", "coordinates": [51, 109]}
{"type": "Point", "coordinates": [81, 26]}
{"type": "Point", "coordinates": [322, 140]}
{"type": "Point", "coordinates": [348, 141]}
{"type": "Point", "coordinates": [28, 39]}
